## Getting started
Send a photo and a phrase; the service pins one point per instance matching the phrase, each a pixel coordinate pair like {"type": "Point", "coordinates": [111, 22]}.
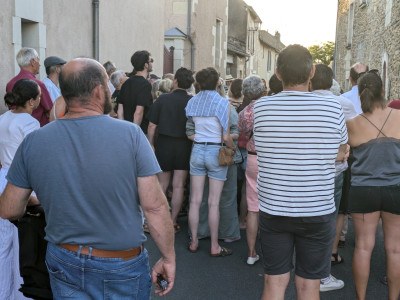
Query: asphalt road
{"type": "Point", "coordinates": [200, 276]}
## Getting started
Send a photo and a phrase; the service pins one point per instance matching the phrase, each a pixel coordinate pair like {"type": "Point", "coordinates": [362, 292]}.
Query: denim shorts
{"type": "Point", "coordinates": [84, 277]}
{"type": "Point", "coordinates": [204, 161]}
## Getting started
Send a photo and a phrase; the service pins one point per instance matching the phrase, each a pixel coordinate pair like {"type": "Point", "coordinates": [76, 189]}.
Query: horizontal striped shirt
{"type": "Point", "coordinates": [297, 136]}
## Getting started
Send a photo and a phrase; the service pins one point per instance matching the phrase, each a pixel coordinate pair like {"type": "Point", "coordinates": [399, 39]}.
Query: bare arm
{"type": "Point", "coordinates": [228, 141]}
{"type": "Point", "coordinates": [13, 202]}
{"type": "Point", "coordinates": [343, 153]}
{"type": "Point", "coordinates": [156, 210]}
{"type": "Point", "coordinates": [138, 115]}
{"type": "Point", "coordinates": [151, 130]}
{"type": "Point", "coordinates": [234, 136]}
{"type": "Point", "coordinates": [120, 111]}
{"type": "Point", "coordinates": [191, 137]}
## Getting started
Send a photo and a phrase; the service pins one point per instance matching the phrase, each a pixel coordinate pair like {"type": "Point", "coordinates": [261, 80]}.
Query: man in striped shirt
{"type": "Point", "coordinates": [298, 137]}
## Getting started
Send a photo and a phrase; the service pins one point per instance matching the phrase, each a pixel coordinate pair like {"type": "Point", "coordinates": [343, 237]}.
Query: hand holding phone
{"type": "Point", "coordinates": [162, 283]}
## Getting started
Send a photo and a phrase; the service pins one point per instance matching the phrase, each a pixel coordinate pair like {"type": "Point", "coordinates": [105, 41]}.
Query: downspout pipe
{"type": "Point", "coordinates": [96, 29]}
{"type": "Point", "coordinates": [189, 21]}
{"type": "Point", "coordinates": [336, 42]}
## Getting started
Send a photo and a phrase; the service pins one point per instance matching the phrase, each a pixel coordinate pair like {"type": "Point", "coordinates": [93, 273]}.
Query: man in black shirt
{"type": "Point", "coordinates": [135, 95]}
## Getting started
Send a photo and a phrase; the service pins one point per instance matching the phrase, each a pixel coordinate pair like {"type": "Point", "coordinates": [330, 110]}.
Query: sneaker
{"type": "Point", "coordinates": [252, 260]}
{"type": "Point", "coordinates": [330, 284]}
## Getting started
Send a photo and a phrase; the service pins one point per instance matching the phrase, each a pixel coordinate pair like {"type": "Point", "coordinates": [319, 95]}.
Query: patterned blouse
{"type": "Point", "coordinates": [246, 124]}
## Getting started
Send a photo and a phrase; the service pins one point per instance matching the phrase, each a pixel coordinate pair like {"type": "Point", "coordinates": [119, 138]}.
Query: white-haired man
{"type": "Point", "coordinates": [28, 61]}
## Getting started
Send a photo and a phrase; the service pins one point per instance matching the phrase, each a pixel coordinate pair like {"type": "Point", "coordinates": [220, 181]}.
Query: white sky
{"type": "Point", "coordinates": [305, 22]}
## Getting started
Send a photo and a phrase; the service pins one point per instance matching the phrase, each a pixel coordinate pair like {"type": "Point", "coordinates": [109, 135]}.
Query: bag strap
{"type": "Point", "coordinates": [222, 128]}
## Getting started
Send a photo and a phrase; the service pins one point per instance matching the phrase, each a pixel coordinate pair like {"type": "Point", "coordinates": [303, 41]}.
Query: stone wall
{"type": "Point", "coordinates": [375, 41]}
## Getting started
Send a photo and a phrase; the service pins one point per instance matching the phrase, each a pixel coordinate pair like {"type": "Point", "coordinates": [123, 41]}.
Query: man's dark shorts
{"type": "Point", "coordinates": [312, 237]}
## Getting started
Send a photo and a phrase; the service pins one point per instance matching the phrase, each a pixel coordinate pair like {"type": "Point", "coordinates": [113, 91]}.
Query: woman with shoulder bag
{"type": "Point", "coordinates": [209, 112]}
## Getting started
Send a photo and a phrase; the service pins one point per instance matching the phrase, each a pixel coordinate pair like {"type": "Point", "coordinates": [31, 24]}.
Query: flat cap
{"type": "Point", "coordinates": [53, 61]}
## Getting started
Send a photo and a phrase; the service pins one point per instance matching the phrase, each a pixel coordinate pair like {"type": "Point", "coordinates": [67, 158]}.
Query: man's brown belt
{"type": "Point", "coordinates": [126, 254]}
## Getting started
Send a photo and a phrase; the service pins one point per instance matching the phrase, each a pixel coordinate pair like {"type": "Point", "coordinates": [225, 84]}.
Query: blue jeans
{"type": "Point", "coordinates": [77, 276]}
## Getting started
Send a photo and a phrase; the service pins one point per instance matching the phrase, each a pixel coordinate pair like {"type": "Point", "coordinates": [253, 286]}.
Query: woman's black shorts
{"type": "Point", "coordinates": [367, 199]}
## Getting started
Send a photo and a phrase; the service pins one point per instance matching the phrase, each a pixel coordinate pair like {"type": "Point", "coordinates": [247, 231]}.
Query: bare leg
{"type": "Point", "coordinates": [164, 178]}
{"type": "Point", "coordinates": [214, 196]}
{"type": "Point", "coordinates": [196, 196]}
{"type": "Point", "coordinates": [275, 286]}
{"type": "Point", "coordinates": [178, 184]}
{"type": "Point", "coordinates": [243, 206]}
{"type": "Point", "coordinates": [365, 229]}
{"type": "Point", "coordinates": [391, 225]}
{"type": "Point", "coordinates": [307, 289]}
{"type": "Point", "coordinates": [251, 232]}
{"type": "Point", "coordinates": [339, 227]}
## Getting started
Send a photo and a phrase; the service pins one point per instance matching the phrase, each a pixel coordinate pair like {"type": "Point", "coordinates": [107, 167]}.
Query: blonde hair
{"type": "Point", "coordinates": [165, 86]}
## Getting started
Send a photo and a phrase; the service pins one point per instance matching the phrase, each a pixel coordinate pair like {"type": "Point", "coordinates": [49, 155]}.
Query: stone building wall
{"type": "Point", "coordinates": [375, 41]}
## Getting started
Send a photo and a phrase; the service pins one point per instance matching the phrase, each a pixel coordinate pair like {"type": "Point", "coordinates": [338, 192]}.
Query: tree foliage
{"type": "Point", "coordinates": [322, 53]}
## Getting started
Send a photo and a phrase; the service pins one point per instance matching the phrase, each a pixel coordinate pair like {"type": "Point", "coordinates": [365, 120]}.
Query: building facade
{"type": "Point", "coordinates": [368, 31]}
{"type": "Point", "coordinates": [197, 31]}
{"type": "Point", "coordinates": [101, 29]}
{"type": "Point", "coordinates": [268, 49]}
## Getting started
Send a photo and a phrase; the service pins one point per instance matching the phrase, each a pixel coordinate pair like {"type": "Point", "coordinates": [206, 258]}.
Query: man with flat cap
{"type": "Point", "coordinates": [53, 65]}
{"type": "Point", "coordinates": [93, 221]}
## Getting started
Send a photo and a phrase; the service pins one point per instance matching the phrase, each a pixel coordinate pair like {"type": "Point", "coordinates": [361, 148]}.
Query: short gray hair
{"type": "Point", "coordinates": [109, 65]}
{"type": "Point", "coordinates": [116, 78]}
{"type": "Point", "coordinates": [253, 87]}
{"type": "Point", "coordinates": [25, 55]}
{"type": "Point", "coordinates": [335, 88]}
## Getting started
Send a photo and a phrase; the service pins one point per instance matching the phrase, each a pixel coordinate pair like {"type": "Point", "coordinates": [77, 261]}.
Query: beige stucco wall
{"type": "Point", "coordinates": [68, 32]}
{"type": "Point", "coordinates": [203, 30]}
{"type": "Point", "coordinates": [262, 59]}
{"type": "Point", "coordinates": [6, 48]}
{"type": "Point", "coordinates": [375, 40]}
{"type": "Point", "coordinates": [127, 26]}
{"type": "Point", "coordinates": [69, 27]}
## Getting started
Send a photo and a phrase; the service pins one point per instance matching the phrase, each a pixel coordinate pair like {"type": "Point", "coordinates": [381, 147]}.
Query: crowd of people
{"type": "Point", "coordinates": [90, 156]}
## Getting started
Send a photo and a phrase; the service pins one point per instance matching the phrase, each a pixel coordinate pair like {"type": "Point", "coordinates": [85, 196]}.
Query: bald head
{"type": "Point", "coordinates": [355, 71]}
{"type": "Point", "coordinates": [79, 77]}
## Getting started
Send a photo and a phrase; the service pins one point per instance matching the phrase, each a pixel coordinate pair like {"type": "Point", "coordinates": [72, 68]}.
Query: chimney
{"type": "Point", "coordinates": [278, 35]}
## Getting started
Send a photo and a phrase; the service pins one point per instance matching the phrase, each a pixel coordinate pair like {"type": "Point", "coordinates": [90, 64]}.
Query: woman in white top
{"type": "Point", "coordinates": [14, 126]}
{"type": "Point", "coordinates": [210, 114]}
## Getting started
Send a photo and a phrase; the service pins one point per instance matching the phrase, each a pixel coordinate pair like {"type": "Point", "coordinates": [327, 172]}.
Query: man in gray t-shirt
{"type": "Point", "coordinates": [90, 183]}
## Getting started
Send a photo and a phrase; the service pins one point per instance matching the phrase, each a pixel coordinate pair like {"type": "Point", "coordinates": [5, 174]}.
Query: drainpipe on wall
{"type": "Point", "coordinates": [96, 29]}
{"type": "Point", "coordinates": [189, 20]}
{"type": "Point", "coordinates": [336, 41]}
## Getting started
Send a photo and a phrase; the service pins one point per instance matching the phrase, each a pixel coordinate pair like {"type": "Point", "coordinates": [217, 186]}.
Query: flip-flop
{"type": "Point", "coordinates": [191, 250]}
{"type": "Point", "coordinates": [336, 261]}
{"type": "Point", "coordinates": [222, 253]}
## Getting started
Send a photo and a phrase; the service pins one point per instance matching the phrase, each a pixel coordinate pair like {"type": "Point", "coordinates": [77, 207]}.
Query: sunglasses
{"type": "Point", "coordinates": [151, 61]}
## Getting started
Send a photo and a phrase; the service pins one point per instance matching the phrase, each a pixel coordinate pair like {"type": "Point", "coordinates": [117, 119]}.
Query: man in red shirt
{"type": "Point", "coordinates": [28, 61]}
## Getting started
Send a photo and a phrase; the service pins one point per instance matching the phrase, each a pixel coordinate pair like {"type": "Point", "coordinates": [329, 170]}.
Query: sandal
{"type": "Point", "coordinates": [223, 252]}
{"type": "Point", "coordinates": [336, 260]}
{"type": "Point", "coordinates": [177, 228]}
